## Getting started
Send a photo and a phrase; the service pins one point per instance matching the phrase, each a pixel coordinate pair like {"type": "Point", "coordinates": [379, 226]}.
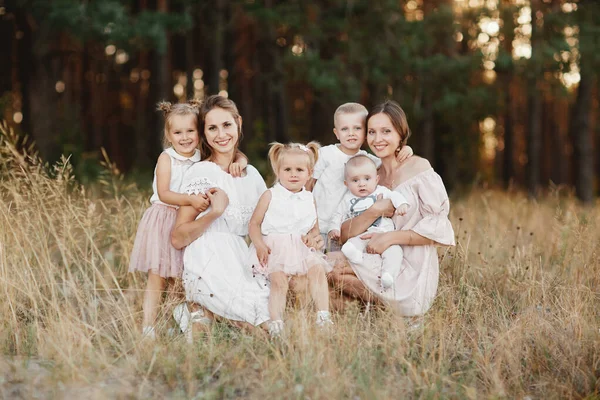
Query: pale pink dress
{"type": "Point", "coordinates": [416, 285]}
{"type": "Point", "coordinates": [289, 216]}
{"type": "Point", "coordinates": [152, 249]}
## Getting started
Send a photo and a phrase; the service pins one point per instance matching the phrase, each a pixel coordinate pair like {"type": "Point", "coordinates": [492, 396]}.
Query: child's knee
{"type": "Point", "coordinates": [279, 282]}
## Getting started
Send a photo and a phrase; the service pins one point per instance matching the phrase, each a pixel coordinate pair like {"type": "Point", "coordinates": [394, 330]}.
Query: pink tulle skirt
{"type": "Point", "coordinates": [152, 250]}
{"type": "Point", "coordinates": [289, 255]}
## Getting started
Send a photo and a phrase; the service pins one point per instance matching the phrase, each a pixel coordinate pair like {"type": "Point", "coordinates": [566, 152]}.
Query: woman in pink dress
{"type": "Point", "coordinates": [424, 227]}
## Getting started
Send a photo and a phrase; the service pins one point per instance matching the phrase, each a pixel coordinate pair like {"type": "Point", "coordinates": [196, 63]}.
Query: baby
{"type": "Point", "coordinates": [361, 179]}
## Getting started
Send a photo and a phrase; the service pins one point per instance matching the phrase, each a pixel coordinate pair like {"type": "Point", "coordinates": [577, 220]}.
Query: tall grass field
{"type": "Point", "coordinates": [517, 313]}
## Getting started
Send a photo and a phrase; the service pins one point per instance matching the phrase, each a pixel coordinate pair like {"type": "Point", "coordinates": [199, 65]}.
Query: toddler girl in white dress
{"type": "Point", "coordinates": [283, 215]}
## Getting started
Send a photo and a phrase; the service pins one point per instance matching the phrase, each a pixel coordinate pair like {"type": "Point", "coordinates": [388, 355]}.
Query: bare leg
{"type": "Point", "coordinates": [277, 297]}
{"type": "Point", "coordinates": [154, 288]}
{"type": "Point", "coordinates": [317, 284]}
{"type": "Point", "coordinates": [344, 279]}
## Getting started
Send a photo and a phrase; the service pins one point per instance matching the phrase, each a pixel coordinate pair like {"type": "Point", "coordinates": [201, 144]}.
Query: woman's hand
{"type": "Point", "coordinates": [218, 200]}
{"type": "Point", "coordinates": [313, 239]}
{"type": "Point", "coordinates": [378, 242]}
{"type": "Point", "coordinates": [382, 208]}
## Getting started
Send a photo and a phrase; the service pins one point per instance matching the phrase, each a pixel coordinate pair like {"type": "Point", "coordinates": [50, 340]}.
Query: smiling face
{"type": "Point", "coordinates": [293, 172]}
{"type": "Point", "coordinates": [350, 131]}
{"type": "Point", "coordinates": [183, 134]}
{"type": "Point", "coordinates": [221, 131]}
{"type": "Point", "coordinates": [362, 179]}
{"type": "Point", "coordinates": [382, 137]}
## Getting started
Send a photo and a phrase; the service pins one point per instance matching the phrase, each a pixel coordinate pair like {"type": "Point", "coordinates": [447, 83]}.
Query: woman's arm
{"type": "Point", "coordinates": [187, 228]}
{"type": "Point", "coordinates": [379, 242]}
{"type": "Point", "coordinates": [310, 185]}
{"type": "Point", "coordinates": [166, 195]}
{"type": "Point", "coordinates": [357, 225]}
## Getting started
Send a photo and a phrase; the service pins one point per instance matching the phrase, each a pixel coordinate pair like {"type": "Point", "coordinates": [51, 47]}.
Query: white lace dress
{"type": "Point", "coordinates": [215, 272]}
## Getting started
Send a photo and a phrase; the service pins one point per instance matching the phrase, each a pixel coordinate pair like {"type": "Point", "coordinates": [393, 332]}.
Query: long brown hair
{"type": "Point", "coordinates": [397, 116]}
{"type": "Point", "coordinates": [209, 104]}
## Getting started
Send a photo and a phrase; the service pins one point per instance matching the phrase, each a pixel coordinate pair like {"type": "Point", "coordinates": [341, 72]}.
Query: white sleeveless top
{"type": "Point", "coordinates": [179, 165]}
{"type": "Point", "coordinates": [289, 212]}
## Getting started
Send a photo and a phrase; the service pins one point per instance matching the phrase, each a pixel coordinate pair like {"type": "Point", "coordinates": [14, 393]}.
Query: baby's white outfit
{"type": "Point", "coordinates": [330, 189]}
{"type": "Point", "coordinates": [352, 206]}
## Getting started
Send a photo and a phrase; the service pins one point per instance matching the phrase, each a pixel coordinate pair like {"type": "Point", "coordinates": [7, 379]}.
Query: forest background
{"type": "Point", "coordinates": [498, 92]}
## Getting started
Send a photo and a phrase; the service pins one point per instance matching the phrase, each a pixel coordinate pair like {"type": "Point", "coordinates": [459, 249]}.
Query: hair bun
{"type": "Point", "coordinates": [164, 106]}
{"type": "Point", "coordinates": [195, 103]}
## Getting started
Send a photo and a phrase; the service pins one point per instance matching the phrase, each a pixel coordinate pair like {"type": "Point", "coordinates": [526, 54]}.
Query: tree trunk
{"type": "Point", "coordinates": [534, 103]}
{"type": "Point", "coordinates": [7, 31]}
{"type": "Point", "coordinates": [242, 72]}
{"type": "Point", "coordinates": [217, 50]}
{"type": "Point", "coordinates": [162, 81]}
{"type": "Point", "coordinates": [24, 65]}
{"type": "Point", "coordinates": [582, 136]}
{"type": "Point", "coordinates": [189, 52]}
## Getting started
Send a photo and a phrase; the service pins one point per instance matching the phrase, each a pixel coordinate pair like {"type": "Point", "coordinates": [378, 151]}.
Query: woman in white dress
{"type": "Point", "coordinates": [216, 274]}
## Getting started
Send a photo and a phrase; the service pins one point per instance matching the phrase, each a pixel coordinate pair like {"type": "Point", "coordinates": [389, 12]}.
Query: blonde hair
{"type": "Point", "coordinates": [350, 108]}
{"type": "Point", "coordinates": [278, 150]}
{"type": "Point", "coordinates": [169, 110]}
{"type": "Point", "coordinates": [358, 161]}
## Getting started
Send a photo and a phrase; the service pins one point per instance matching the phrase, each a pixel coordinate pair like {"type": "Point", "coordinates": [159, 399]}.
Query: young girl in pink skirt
{"type": "Point", "coordinates": [152, 251]}
{"type": "Point", "coordinates": [283, 215]}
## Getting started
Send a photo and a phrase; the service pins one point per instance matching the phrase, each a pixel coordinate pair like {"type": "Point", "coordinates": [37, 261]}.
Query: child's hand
{"type": "Point", "coordinates": [236, 169]}
{"type": "Point", "coordinates": [199, 201]}
{"type": "Point", "coordinates": [334, 234]}
{"type": "Point", "coordinates": [262, 252]}
{"type": "Point", "coordinates": [313, 240]}
{"type": "Point", "coordinates": [402, 209]}
{"type": "Point", "coordinates": [404, 154]}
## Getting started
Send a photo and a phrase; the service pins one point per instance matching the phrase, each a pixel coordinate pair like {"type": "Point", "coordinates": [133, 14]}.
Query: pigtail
{"type": "Point", "coordinates": [196, 103]}
{"type": "Point", "coordinates": [313, 147]}
{"type": "Point", "coordinates": [164, 106]}
{"type": "Point", "coordinates": [274, 154]}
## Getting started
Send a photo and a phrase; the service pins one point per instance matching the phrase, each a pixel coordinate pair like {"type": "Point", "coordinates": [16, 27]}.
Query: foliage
{"type": "Point", "coordinates": [111, 22]}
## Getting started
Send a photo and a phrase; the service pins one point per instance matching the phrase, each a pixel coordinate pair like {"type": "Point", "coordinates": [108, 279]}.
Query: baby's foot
{"type": "Point", "coordinates": [353, 254]}
{"type": "Point", "coordinates": [387, 280]}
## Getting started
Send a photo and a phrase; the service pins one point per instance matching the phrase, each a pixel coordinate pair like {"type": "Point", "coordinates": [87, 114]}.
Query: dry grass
{"type": "Point", "coordinates": [517, 313]}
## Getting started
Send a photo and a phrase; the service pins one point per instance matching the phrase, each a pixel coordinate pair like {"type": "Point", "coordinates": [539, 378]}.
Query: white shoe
{"type": "Point", "coordinates": [354, 255]}
{"type": "Point", "coordinates": [183, 317]}
{"type": "Point", "coordinates": [324, 320]}
{"type": "Point", "coordinates": [386, 280]}
{"type": "Point", "coordinates": [148, 332]}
